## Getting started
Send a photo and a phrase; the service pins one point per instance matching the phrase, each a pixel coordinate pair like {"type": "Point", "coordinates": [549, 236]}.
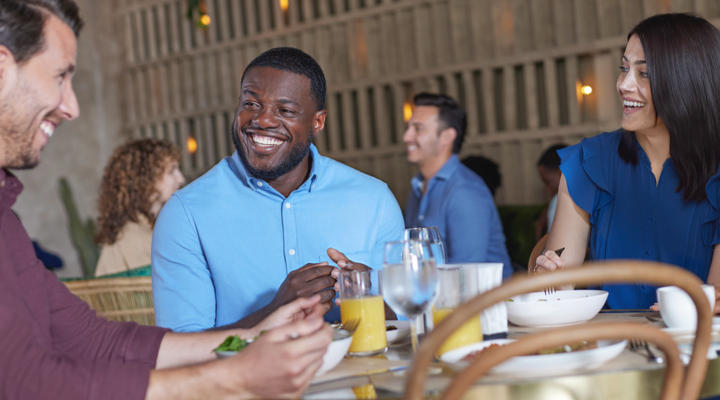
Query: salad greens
{"type": "Point", "coordinates": [232, 343]}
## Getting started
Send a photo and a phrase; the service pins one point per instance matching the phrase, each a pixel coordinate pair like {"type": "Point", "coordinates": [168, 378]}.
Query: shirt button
{"type": "Point", "coordinates": [650, 216]}
{"type": "Point", "coordinates": [292, 252]}
{"type": "Point", "coordinates": [259, 183]}
{"type": "Point", "coordinates": [422, 217]}
{"type": "Point", "coordinates": [287, 205]}
{"type": "Point", "coordinates": [647, 252]}
{"type": "Point", "coordinates": [644, 286]}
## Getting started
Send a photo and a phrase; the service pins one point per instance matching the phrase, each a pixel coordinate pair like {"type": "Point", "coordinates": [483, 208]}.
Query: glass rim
{"type": "Point", "coordinates": [407, 241]}
{"type": "Point", "coordinates": [355, 272]}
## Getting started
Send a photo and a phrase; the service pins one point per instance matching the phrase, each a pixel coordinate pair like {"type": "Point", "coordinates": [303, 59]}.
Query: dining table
{"type": "Point", "coordinates": [632, 375]}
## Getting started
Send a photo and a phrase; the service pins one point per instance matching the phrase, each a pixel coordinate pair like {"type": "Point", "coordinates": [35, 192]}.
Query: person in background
{"type": "Point", "coordinates": [487, 169]}
{"type": "Point", "coordinates": [651, 190]}
{"type": "Point", "coordinates": [139, 178]}
{"type": "Point", "coordinates": [548, 167]}
{"type": "Point", "coordinates": [447, 194]}
{"type": "Point", "coordinates": [53, 345]}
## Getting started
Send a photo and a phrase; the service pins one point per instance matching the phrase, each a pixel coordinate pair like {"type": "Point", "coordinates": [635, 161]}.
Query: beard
{"type": "Point", "coordinates": [297, 154]}
{"type": "Point", "coordinates": [16, 132]}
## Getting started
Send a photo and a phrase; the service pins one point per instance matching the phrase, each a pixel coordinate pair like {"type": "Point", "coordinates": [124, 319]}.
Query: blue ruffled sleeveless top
{"type": "Point", "coordinates": [632, 217]}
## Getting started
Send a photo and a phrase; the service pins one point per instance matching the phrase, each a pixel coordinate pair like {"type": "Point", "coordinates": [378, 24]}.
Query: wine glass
{"type": "Point", "coordinates": [432, 235]}
{"type": "Point", "coordinates": [409, 278]}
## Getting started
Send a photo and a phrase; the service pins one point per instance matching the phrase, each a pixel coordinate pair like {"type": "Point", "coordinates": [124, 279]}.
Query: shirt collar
{"type": "Point", "coordinates": [317, 169]}
{"type": "Point", "coordinates": [445, 172]}
{"type": "Point", "coordinates": [10, 188]}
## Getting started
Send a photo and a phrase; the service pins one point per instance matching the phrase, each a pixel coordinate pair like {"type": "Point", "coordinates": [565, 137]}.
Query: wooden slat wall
{"type": "Point", "coordinates": [516, 64]}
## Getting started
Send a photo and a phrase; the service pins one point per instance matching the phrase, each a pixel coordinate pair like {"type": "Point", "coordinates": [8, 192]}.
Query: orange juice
{"type": "Point", "coordinates": [365, 392]}
{"type": "Point", "coordinates": [370, 335]}
{"type": "Point", "coordinates": [467, 334]}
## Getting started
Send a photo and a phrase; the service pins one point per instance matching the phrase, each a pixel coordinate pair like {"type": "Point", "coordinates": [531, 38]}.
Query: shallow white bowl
{"type": "Point", "coordinates": [334, 354]}
{"type": "Point", "coordinates": [540, 364]}
{"type": "Point", "coordinates": [564, 307]}
{"type": "Point", "coordinates": [402, 331]}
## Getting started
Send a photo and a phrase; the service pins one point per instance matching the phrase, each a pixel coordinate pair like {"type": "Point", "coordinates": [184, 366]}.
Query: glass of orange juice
{"type": "Point", "coordinates": [455, 289]}
{"type": "Point", "coordinates": [361, 298]}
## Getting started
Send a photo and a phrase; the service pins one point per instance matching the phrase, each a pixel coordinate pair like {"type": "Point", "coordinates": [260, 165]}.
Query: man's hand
{"type": "Point", "coordinates": [291, 312]}
{"type": "Point", "coordinates": [282, 362]}
{"type": "Point", "coordinates": [345, 264]}
{"type": "Point", "coordinates": [307, 281]}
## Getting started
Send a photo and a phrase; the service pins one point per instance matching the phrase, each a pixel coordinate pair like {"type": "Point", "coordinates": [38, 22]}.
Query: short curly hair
{"type": "Point", "coordinates": [128, 184]}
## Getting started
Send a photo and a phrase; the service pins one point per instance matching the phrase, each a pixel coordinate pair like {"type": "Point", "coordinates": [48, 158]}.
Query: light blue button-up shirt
{"type": "Point", "coordinates": [224, 244]}
{"type": "Point", "coordinates": [460, 204]}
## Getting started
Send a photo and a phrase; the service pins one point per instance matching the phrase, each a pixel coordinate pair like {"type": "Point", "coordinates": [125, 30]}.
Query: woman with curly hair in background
{"type": "Point", "coordinates": [139, 178]}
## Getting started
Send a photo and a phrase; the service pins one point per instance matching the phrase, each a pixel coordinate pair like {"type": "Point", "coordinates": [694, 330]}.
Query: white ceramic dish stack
{"type": "Point", "coordinates": [564, 307]}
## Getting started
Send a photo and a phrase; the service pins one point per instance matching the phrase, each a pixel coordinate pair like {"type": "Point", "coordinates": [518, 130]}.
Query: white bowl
{"type": "Point", "coordinates": [334, 354]}
{"type": "Point", "coordinates": [564, 307]}
{"type": "Point", "coordinates": [540, 364]}
{"type": "Point", "coordinates": [402, 331]}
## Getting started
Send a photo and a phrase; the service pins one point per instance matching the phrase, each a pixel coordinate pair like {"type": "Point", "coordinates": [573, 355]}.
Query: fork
{"type": "Point", "coordinates": [348, 328]}
{"type": "Point", "coordinates": [551, 290]}
{"type": "Point", "coordinates": [637, 344]}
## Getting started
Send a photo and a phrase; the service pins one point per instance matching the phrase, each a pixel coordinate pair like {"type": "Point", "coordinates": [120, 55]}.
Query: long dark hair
{"type": "Point", "coordinates": [682, 52]}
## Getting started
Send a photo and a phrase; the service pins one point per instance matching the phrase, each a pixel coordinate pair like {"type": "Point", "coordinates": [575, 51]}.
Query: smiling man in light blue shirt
{"type": "Point", "coordinates": [252, 233]}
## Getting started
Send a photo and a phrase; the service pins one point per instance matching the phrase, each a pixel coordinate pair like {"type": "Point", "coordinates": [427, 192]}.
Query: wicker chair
{"type": "Point", "coordinates": [677, 383]}
{"type": "Point", "coordinates": [118, 299]}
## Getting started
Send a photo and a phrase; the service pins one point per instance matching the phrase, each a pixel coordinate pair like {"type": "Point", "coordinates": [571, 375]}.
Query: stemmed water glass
{"type": "Point", "coordinates": [409, 278]}
{"type": "Point", "coordinates": [432, 235]}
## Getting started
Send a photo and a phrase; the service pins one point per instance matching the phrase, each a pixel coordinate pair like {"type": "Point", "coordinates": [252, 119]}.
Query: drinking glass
{"type": "Point", "coordinates": [456, 286]}
{"type": "Point", "coordinates": [410, 280]}
{"type": "Point", "coordinates": [432, 235]}
{"type": "Point", "coordinates": [361, 298]}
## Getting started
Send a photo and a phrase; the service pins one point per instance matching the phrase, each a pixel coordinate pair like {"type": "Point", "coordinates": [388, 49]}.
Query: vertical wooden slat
{"type": "Point", "coordinates": [482, 28]}
{"type": "Point", "coordinates": [265, 16]}
{"type": "Point", "coordinates": [210, 142]}
{"type": "Point", "coordinates": [187, 85]}
{"type": "Point", "coordinates": [129, 45]}
{"type": "Point", "coordinates": [381, 116]}
{"type": "Point", "coordinates": [423, 42]}
{"type": "Point", "coordinates": [294, 12]}
{"type": "Point", "coordinates": [406, 41]}
{"type": "Point", "coordinates": [307, 11]}
{"type": "Point", "coordinates": [186, 157]}
{"type": "Point", "coordinates": [564, 19]}
{"type": "Point", "coordinates": [162, 30]}
{"type": "Point", "coordinates": [223, 17]}
{"type": "Point", "coordinates": [473, 126]}
{"type": "Point", "coordinates": [451, 85]}
{"type": "Point", "coordinates": [348, 122]}
{"type": "Point", "coordinates": [130, 87]}
{"type": "Point", "coordinates": [551, 84]}
{"type": "Point", "coordinates": [489, 99]}
{"type": "Point", "coordinates": [364, 121]}
{"type": "Point", "coordinates": [541, 14]}
{"type": "Point", "coordinates": [333, 122]}
{"type": "Point", "coordinates": [531, 96]}
{"type": "Point", "coordinates": [571, 69]}
{"type": "Point", "coordinates": [165, 88]}
{"type": "Point", "coordinates": [509, 98]}
{"type": "Point", "coordinates": [399, 97]}
{"type": "Point", "coordinates": [150, 30]}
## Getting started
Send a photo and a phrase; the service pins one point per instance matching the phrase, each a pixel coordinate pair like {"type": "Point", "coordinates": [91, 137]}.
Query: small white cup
{"type": "Point", "coordinates": [677, 308]}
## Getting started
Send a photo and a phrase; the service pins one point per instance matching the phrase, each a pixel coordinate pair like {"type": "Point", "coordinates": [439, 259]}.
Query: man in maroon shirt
{"type": "Point", "coordinates": [52, 345]}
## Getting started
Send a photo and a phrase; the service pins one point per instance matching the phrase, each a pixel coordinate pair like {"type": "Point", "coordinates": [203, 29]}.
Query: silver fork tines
{"type": "Point", "coordinates": [549, 290]}
{"type": "Point", "coordinates": [348, 328]}
{"type": "Point", "coordinates": [637, 345]}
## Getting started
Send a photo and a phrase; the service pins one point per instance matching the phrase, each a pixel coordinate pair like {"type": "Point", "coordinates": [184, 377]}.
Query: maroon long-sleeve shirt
{"type": "Point", "coordinates": [52, 345]}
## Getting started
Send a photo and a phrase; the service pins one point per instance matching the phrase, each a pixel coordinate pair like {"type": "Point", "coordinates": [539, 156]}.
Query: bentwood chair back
{"type": "Point", "coordinates": [118, 299]}
{"type": "Point", "coordinates": [678, 383]}
{"type": "Point", "coordinates": [536, 252]}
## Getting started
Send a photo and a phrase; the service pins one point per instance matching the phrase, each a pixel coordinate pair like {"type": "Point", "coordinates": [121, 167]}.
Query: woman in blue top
{"type": "Point", "coordinates": [651, 190]}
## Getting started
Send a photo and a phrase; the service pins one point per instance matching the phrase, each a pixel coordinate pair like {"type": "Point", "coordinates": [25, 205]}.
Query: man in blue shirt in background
{"type": "Point", "coordinates": [254, 232]}
{"type": "Point", "coordinates": [446, 193]}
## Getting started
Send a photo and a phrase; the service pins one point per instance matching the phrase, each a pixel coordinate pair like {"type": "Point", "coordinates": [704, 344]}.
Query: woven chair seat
{"type": "Point", "coordinates": [118, 299]}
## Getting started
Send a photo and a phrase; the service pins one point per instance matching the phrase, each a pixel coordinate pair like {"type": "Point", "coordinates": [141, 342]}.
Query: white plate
{"type": "Point", "coordinates": [691, 331]}
{"type": "Point", "coordinates": [544, 364]}
{"type": "Point", "coordinates": [402, 331]}
{"type": "Point", "coordinates": [564, 307]}
{"type": "Point", "coordinates": [334, 354]}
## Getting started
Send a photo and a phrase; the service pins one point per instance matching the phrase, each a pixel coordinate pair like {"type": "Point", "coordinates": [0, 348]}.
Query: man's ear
{"type": "Point", "coordinates": [447, 137]}
{"type": "Point", "coordinates": [7, 61]}
{"type": "Point", "coordinates": [318, 122]}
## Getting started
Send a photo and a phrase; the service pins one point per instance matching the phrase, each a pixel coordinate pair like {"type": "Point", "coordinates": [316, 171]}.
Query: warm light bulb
{"type": "Point", "coordinates": [284, 4]}
{"type": "Point", "coordinates": [407, 112]}
{"type": "Point", "coordinates": [205, 20]}
{"type": "Point", "coordinates": [191, 145]}
{"type": "Point", "coordinates": [586, 89]}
